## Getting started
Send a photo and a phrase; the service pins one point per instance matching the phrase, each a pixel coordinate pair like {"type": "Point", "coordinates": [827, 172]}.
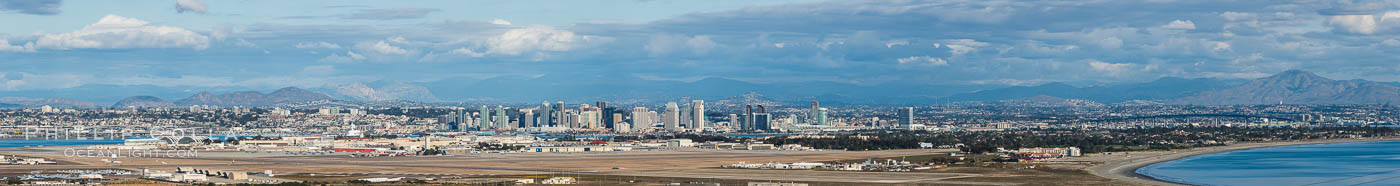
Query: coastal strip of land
{"type": "Point", "coordinates": [1122, 166]}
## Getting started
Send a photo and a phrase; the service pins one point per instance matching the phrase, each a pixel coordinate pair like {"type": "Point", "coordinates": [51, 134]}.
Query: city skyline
{"type": "Point", "coordinates": [196, 45]}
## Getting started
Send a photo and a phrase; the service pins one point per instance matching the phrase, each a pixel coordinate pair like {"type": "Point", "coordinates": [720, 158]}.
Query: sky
{"type": "Point", "coordinates": [56, 44]}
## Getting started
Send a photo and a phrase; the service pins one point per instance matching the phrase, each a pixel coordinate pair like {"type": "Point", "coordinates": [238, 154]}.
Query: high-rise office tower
{"type": "Point", "coordinates": [748, 116]}
{"type": "Point", "coordinates": [559, 114]}
{"type": "Point", "coordinates": [485, 115]}
{"type": "Point", "coordinates": [906, 117]}
{"type": "Point", "coordinates": [471, 123]}
{"type": "Point", "coordinates": [671, 119]}
{"type": "Point", "coordinates": [546, 115]}
{"type": "Point", "coordinates": [762, 121]}
{"type": "Point", "coordinates": [812, 112]}
{"type": "Point", "coordinates": [734, 122]}
{"type": "Point", "coordinates": [821, 117]}
{"type": "Point", "coordinates": [616, 117]}
{"type": "Point", "coordinates": [502, 120]}
{"type": "Point", "coordinates": [606, 113]}
{"type": "Point", "coordinates": [685, 116]}
{"type": "Point", "coordinates": [527, 117]}
{"type": "Point", "coordinates": [639, 119]}
{"type": "Point", "coordinates": [588, 116]}
{"type": "Point", "coordinates": [698, 106]}
{"type": "Point", "coordinates": [575, 121]}
{"type": "Point", "coordinates": [653, 117]}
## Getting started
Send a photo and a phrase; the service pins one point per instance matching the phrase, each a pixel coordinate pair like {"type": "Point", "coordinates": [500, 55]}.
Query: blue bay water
{"type": "Point", "coordinates": [56, 142]}
{"type": "Point", "coordinates": [1360, 163]}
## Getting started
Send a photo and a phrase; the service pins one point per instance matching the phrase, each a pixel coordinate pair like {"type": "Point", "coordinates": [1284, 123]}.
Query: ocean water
{"type": "Point", "coordinates": [1359, 163]}
{"type": "Point", "coordinates": [56, 142]}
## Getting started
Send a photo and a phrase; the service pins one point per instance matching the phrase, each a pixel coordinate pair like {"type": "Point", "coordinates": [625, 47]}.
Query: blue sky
{"type": "Point", "coordinates": [53, 44]}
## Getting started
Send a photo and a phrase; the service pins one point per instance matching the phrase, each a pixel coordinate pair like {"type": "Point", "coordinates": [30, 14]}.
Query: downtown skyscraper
{"type": "Point", "coordinates": [671, 117]}
{"type": "Point", "coordinates": [698, 115]}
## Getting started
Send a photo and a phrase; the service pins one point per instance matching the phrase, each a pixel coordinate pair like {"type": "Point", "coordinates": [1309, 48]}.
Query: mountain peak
{"type": "Point", "coordinates": [1299, 87]}
{"type": "Point", "coordinates": [289, 89]}
{"type": "Point", "coordinates": [1297, 74]}
{"type": "Point", "coordinates": [254, 98]}
{"type": "Point", "coordinates": [1056, 84]}
{"type": "Point", "coordinates": [143, 102]}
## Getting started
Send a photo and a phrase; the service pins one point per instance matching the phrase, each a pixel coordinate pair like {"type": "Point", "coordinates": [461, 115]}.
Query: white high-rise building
{"type": "Point", "coordinates": [698, 106]}
{"type": "Point", "coordinates": [640, 118]}
{"type": "Point", "coordinates": [545, 116]}
{"type": "Point", "coordinates": [589, 117]}
{"type": "Point", "coordinates": [502, 120]}
{"type": "Point", "coordinates": [671, 119]}
{"type": "Point", "coordinates": [654, 117]}
{"type": "Point", "coordinates": [734, 122]}
{"type": "Point", "coordinates": [812, 112]}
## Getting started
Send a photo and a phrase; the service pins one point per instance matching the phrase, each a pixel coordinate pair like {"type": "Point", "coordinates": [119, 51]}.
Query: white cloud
{"type": "Point", "coordinates": [663, 44]}
{"type": "Point", "coordinates": [183, 6]}
{"type": "Point", "coordinates": [30, 81]}
{"type": "Point", "coordinates": [1391, 42]}
{"type": "Point", "coordinates": [244, 43]}
{"type": "Point", "coordinates": [468, 52]}
{"type": "Point", "coordinates": [350, 56]}
{"type": "Point", "coordinates": [1111, 43]}
{"type": "Point", "coordinates": [1361, 24]}
{"type": "Point", "coordinates": [962, 46]}
{"type": "Point", "coordinates": [926, 60]}
{"type": "Point", "coordinates": [1366, 23]}
{"type": "Point", "coordinates": [535, 38]}
{"type": "Point", "coordinates": [500, 22]}
{"type": "Point", "coordinates": [1238, 16]}
{"type": "Point", "coordinates": [1112, 69]}
{"type": "Point", "coordinates": [382, 47]}
{"type": "Point", "coordinates": [959, 50]}
{"type": "Point", "coordinates": [891, 44]}
{"type": "Point", "coordinates": [185, 80]}
{"type": "Point", "coordinates": [354, 56]}
{"type": "Point", "coordinates": [120, 32]}
{"type": "Point", "coordinates": [1218, 46]}
{"type": "Point", "coordinates": [1180, 25]}
{"type": "Point", "coordinates": [6, 47]}
{"type": "Point", "coordinates": [315, 45]}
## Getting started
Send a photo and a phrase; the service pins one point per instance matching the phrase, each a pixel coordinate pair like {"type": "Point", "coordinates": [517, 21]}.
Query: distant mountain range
{"type": "Point", "coordinates": [240, 98]}
{"type": "Point", "coordinates": [637, 90]}
{"type": "Point", "coordinates": [38, 102]}
{"type": "Point", "coordinates": [143, 102]}
{"type": "Point", "coordinates": [1292, 87]}
{"type": "Point", "coordinates": [1298, 87]}
{"type": "Point", "coordinates": [254, 98]}
{"type": "Point", "coordinates": [1161, 89]}
{"type": "Point", "coordinates": [379, 91]}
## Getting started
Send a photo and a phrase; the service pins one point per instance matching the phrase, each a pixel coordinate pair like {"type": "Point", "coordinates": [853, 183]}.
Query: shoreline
{"type": "Point", "coordinates": [1125, 169]}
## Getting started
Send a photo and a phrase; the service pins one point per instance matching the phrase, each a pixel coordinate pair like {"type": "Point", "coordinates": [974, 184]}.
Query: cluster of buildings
{"type": "Point", "coordinates": [888, 165]}
{"type": "Point", "coordinates": [15, 160]}
{"type": "Point", "coordinates": [1035, 154]}
{"type": "Point", "coordinates": [687, 116]}
{"type": "Point", "coordinates": [675, 117]}
{"type": "Point", "coordinates": [72, 176]}
{"type": "Point", "coordinates": [197, 175]}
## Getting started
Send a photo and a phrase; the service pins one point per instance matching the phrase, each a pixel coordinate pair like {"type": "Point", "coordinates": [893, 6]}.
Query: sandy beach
{"type": "Point", "coordinates": [1122, 166]}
